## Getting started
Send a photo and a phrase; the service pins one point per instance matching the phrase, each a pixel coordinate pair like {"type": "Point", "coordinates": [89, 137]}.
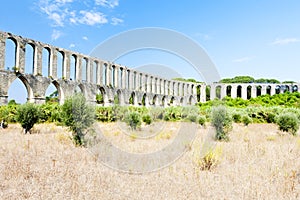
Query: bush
{"type": "Point", "coordinates": [288, 122]}
{"type": "Point", "coordinates": [246, 120]}
{"type": "Point", "coordinates": [222, 122]}
{"type": "Point", "coordinates": [27, 115]}
{"type": "Point", "coordinates": [133, 119]}
{"type": "Point", "coordinates": [202, 120]}
{"type": "Point", "coordinates": [147, 119]}
{"type": "Point", "coordinates": [237, 117]}
{"type": "Point", "coordinates": [192, 117]}
{"type": "Point", "coordinates": [78, 116]}
{"type": "Point", "coordinates": [211, 158]}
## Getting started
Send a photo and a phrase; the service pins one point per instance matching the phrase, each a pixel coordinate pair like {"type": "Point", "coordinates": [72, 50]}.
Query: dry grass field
{"type": "Point", "coordinates": [258, 162]}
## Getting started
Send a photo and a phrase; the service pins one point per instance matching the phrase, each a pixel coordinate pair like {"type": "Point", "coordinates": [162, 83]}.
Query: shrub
{"type": "Point", "coordinates": [78, 116]}
{"type": "Point", "coordinates": [192, 117]}
{"type": "Point", "coordinates": [133, 119]}
{"type": "Point", "coordinates": [288, 122]}
{"type": "Point", "coordinates": [147, 119]}
{"type": "Point", "coordinates": [27, 115]}
{"type": "Point", "coordinates": [211, 158]}
{"type": "Point", "coordinates": [237, 117]}
{"type": "Point", "coordinates": [246, 120]}
{"type": "Point", "coordinates": [222, 122]}
{"type": "Point", "coordinates": [202, 120]}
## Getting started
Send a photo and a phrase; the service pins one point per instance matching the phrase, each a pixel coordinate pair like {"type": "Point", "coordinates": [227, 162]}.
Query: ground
{"type": "Point", "coordinates": [259, 162]}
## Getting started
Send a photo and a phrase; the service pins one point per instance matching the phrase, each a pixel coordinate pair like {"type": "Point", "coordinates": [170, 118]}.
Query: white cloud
{"type": "Point", "coordinates": [72, 46]}
{"type": "Point", "coordinates": [56, 34]}
{"type": "Point", "coordinates": [107, 3]}
{"type": "Point", "coordinates": [91, 18]}
{"type": "Point", "coordinates": [284, 41]}
{"type": "Point", "coordinates": [85, 38]}
{"type": "Point", "coordinates": [63, 12]}
{"type": "Point", "coordinates": [116, 21]}
{"type": "Point", "coordinates": [243, 59]}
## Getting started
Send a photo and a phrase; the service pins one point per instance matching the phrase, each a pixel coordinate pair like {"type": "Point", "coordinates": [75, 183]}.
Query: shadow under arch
{"type": "Point", "coordinates": [61, 95]}
{"type": "Point", "coordinates": [30, 96]}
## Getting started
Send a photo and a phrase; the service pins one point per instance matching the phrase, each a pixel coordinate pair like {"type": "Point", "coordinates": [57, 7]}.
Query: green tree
{"type": "Point", "coordinates": [27, 115]}
{"type": "Point", "coordinates": [222, 121]}
{"type": "Point", "coordinates": [78, 116]}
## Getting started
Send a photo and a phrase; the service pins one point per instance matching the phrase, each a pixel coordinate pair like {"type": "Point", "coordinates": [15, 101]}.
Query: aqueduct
{"type": "Point", "coordinates": [70, 71]}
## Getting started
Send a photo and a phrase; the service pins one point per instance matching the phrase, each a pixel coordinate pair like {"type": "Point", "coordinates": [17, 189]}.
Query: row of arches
{"type": "Point", "coordinates": [27, 56]}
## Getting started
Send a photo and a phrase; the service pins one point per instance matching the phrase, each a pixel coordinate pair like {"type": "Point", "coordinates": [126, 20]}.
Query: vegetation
{"type": "Point", "coordinates": [133, 120]}
{"type": "Point", "coordinates": [288, 122]}
{"type": "Point", "coordinates": [27, 115]}
{"type": "Point", "coordinates": [222, 121]}
{"type": "Point", "coordinates": [248, 79]}
{"type": "Point", "coordinates": [78, 116]}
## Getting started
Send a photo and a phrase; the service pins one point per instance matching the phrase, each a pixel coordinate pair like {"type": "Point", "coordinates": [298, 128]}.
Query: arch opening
{"type": "Point", "coordinates": [10, 54]}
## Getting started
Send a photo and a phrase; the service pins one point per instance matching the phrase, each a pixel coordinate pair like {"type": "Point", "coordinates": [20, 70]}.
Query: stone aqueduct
{"type": "Point", "coordinates": [92, 76]}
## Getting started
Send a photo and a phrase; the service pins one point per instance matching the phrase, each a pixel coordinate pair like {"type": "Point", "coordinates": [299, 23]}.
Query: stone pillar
{"type": "Point", "coordinates": [37, 60]}
{"type": "Point", "coordinates": [3, 100]}
{"type": "Point", "coordinates": [244, 92]}
{"type": "Point", "coordinates": [53, 63]}
{"type": "Point", "coordinates": [116, 76]}
{"type": "Point", "coordinates": [130, 79]}
{"type": "Point", "coordinates": [143, 81]}
{"type": "Point", "coordinates": [158, 84]}
{"type": "Point", "coordinates": [233, 91]}
{"type": "Point", "coordinates": [212, 92]}
{"type": "Point", "coordinates": [273, 90]}
{"type": "Point", "coordinates": [175, 88]}
{"type": "Point", "coordinates": [67, 65]}
{"type": "Point", "coordinates": [223, 91]}
{"type": "Point", "coordinates": [167, 86]}
{"type": "Point", "coordinates": [20, 56]}
{"type": "Point", "coordinates": [149, 84]}
{"type": "Point", "coordinates": [88, 70]}
{"type": "Point", "coordinates": [153, 85]}
{"type": "Point", "coordinates": [203, 93]}
{"type": "Point", "coordinates": [108, 74]}
{"type": "Point", "coordinates": [124, 72]}
{"type": "Point", "coordinates": [253, 91]}
{"type": "Point", "coordinates": [194, 89]}
{"type": "Point", "coordinates": [98, 73]}
{"type": "Point", "coordinates": [263, 90]}
{"type": "Point", "coordinates": [2, 53]}
{"type": "Point", "coordinates": [78, 68]}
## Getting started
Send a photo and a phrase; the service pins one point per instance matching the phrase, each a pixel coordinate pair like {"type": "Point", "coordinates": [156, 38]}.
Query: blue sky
{"type": "Point", "coordinates": [256, 38]}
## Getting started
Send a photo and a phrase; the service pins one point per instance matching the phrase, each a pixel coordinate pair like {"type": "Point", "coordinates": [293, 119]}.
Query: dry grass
{"type": "Point", "coordinates": [258, 162]}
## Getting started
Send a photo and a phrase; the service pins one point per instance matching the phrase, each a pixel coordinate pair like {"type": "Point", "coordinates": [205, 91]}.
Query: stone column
{"type": "Point", "coordinates": [66, 65]}
{"type": "Point", "coordinates": [194, 89]}
{"type": "Point", "coordinates": [273, 90]}
{"type": "Point", "coordinates": [108, 74]}
{"type": "Point", "coordinates": [244, 92]}
{"type": "Point", "coordinates": [223, 91]}
{"type": "Point", "coordinates": [2, 51]}
{"type": "Point", "coordinates": [124, 72]}
{"type": "Point", "coordinates": [88, 70]}
{"type": "Point", "coordinates": [167, 87]}
{"type": "Point", "coordinates": [153, 85]}
{"type": "Point", "coordinates": [20, 56]}
{"type": "Point", "coordinates": [37, 60]}
{"type": "Point", "coordinates": [212, 92]}
{"type": "Point", "coordinates": [158, 84]}
{"type": "Point", "coordinates": [130, 79]}
{"type": "Point", "coordinates": [253, 91]}
{"type": "Point", "coordinates": [116, 76]}
{"type": "Point", "coordinates": [203, 93]}
{"type": "Point", "coordinates": [53, 63]}
{"type": "Point", "coordinates": [149, 84]}
{"type": "Point", "coordinates": [233, 91]}
{"type": "Point", "coordinates": [78, 68]}
{"type": "Point", "coordinates": [98, 73]}
{"type": "Point", "coordinates": [143, 81]}
{"type": "Point", "coordinates": [263, 90]}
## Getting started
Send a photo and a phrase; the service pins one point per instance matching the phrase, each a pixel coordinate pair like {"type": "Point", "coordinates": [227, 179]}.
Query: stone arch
{"type": "Point", "coordinates": [155, 100]}
{"type": "Point", "coordinates": [60, 92]}
{"type": "Point", "coordinates": [102, 95]}
{"type": "Point", "coordinates": [172, 101]}
{"type": "Point", "coordinates": [286, 88]}
{"type": "Point", "coordinates": [145, 100]}
{"type": "Point", "coordinates": [46, 52]}
{"type": "Point", "coordinates": [295, 88]}
{"type": "Point", "coordinates": [60, 63]}
{"type": "Point", "coordinates": [268, 90]}
{"type": "Point", "coordinates": [132, 99]}
{"type": "Point", "coordinates": [119, 98]}
{"type": "Point", "coordinates": [73, 65]}
{"type": "Point", "coordinates": [10, 53]}
{"type": "Point", "coordinates": [239, 91]}
{"type": "Point", "coordinates": [181, 101]}
{"type": "Point", "coordinates": [228, 90]}
{"type": "Point", "coordinates": [163, 101]}
{"type": "Point", "coordinates": [94, 71]}
{"type": "Point", "coordinates": [258, 90]}
{"type": "Point", "coordinates": [29, 58]}
{"type": "Point", "coordinates": [218, 91]}
{"type": "Point", "coordinates": [84, 69]}
{"type": "Point", "coordinates": [207, 90]}
{"type": "Point", "coordinates": [277, 89]}
{"type": "Point", "coordinates": [198, 88]}
{"type": "Point", "coordinates": [249, 89]}
{"type": "Point", "coordinates": [29, 90]}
